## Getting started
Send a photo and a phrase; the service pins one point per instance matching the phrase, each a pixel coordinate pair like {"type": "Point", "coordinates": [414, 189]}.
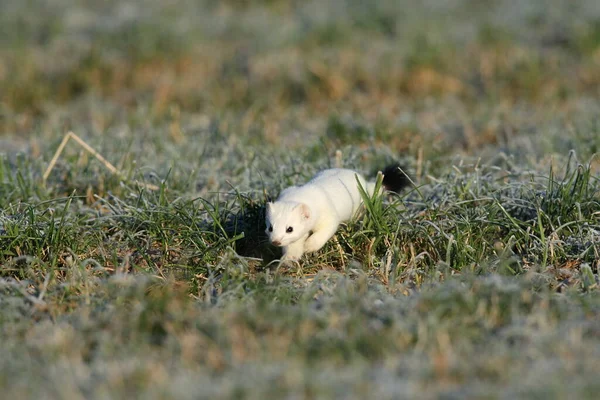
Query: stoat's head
{"type": "Point", "coordinates": [286, 222]}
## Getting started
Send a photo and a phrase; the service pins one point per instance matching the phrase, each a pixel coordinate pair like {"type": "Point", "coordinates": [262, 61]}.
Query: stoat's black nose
{"type": "Point", "coordinates": [276, 243]}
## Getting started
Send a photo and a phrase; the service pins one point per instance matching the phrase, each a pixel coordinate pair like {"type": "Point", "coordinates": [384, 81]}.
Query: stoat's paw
{"type": "Point", "coordinates": [311, 246]}
{"type": "Point", "coordinates": [317, 240]}
{"type": "Point", "coordinates": [293, 251]}
{"type": "Point", "coordinates": [291, 257]}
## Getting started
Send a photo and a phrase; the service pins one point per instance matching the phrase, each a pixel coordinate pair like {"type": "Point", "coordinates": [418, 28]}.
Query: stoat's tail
{"type": "Point", "coordinates": [394, 178]}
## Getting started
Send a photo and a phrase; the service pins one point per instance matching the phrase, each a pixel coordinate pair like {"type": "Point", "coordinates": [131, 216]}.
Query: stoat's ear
{"type": "Point", "coordinates": [304, 210]}
{"type": "Point", "coordinates": [269, 205]}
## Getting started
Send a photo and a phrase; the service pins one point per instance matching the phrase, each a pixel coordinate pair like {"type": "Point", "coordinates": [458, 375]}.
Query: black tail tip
{"type": "Point", "coordinates": [394, 178]}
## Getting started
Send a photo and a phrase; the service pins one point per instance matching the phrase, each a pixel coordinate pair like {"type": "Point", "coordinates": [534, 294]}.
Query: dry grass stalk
{"type": "Point", "coordinates": [89, 149]}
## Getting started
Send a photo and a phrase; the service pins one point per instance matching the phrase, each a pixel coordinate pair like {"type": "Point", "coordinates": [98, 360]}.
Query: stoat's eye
{"type": "Point", "coordinates": [289, 229]}
{"type": "Point", "coordinates": [270, 228]}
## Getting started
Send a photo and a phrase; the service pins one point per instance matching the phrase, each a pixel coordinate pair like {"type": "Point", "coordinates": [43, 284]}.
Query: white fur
{"type": "Point", "coordinates": [319, 206]}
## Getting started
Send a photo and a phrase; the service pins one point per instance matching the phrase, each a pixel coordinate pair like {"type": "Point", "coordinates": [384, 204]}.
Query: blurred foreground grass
{"type": "Point", "coordinates": [480, 282]}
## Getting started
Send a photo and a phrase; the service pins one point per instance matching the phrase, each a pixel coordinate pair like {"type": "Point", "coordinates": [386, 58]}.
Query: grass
{"type": "Point", "coordinates": [479, 281]}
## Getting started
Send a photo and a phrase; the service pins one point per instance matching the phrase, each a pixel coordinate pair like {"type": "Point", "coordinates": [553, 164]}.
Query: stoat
{"type": "Point", "coordinates": [305, 217]}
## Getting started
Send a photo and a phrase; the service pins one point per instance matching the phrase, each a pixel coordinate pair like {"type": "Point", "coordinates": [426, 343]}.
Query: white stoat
{"type": "Point", "coordinates": [304, 218]}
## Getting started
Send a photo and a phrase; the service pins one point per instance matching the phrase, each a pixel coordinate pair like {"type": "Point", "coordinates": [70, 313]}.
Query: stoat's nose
{"type": "Point", "coordinates": [276, 243]}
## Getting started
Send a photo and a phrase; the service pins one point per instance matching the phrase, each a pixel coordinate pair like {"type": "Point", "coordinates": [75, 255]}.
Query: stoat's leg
{"type": "Point", "coordinates": [320, 236]}
{"type": "Point", "coordinates": [294, 251]}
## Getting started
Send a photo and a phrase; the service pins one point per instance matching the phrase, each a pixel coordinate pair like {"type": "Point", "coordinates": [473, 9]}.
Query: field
{"type": "Point", "coordinates": [156, 280]}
